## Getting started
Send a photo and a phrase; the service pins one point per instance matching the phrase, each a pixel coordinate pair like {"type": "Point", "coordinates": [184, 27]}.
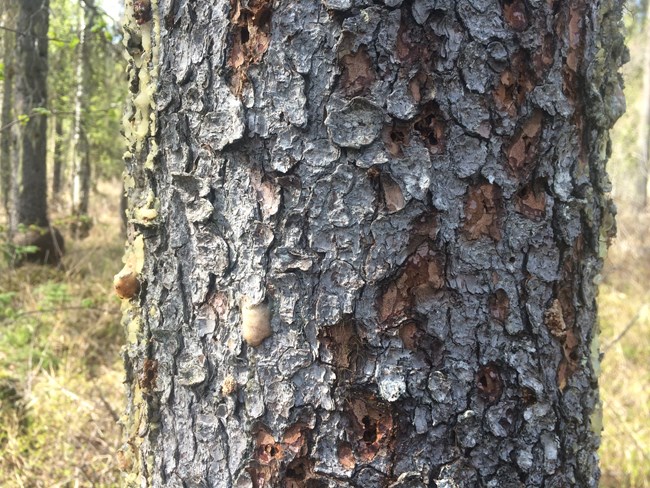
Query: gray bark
{"type": "Point", "coordinates": [364, 241]}
{"type": "Point", "coordinates": [31, 93]}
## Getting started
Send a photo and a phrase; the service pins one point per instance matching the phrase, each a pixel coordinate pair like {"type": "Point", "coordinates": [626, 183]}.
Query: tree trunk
{"type": "Point", "coordinates": [366, 239]}
{"type": "Point", "coordinates": [57, 170]}
{"type": "Point", "coordinates": [643, 162]}
{"type": "Point", "coordinates": [31, 73]}
{"type": "Point", "coordinates": [80, 155]}
{"type": "Point", "coordinates": [6, 142]}
{"type": "Point", "coordinates": [31, 103]}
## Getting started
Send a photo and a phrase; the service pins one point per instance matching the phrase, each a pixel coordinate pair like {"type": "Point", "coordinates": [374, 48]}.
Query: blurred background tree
{"type": "Point", "coordinates": [60, 372]}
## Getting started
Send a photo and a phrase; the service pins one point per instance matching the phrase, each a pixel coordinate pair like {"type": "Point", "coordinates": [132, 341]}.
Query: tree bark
{"type": "Point", "coordinates": [31, 75]}
{"type": "Point", "coordinates": [6, 142]}
{"type": "Point", "coordinates": [58, 163]}
{"type": "Point", "coordinates": [643, 162]}
{"type": "Point", "coordinates": [80, 151]}
{"type": "Point", "coordinates": [365, 241]}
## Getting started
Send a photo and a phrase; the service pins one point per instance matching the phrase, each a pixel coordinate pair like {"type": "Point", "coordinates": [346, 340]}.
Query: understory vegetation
{"type": "Point", "coordinates": [61, 391]}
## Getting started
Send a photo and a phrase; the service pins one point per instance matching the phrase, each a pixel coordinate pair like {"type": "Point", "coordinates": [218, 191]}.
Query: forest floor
{"type": "Point", "coordinates": [61, 390]}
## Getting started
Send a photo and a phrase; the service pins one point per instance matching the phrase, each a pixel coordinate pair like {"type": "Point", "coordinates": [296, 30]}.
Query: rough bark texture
{"type": "Point", "coordinates": [364, 240]}
{"type": "Point", "coordinates": [31, 93]}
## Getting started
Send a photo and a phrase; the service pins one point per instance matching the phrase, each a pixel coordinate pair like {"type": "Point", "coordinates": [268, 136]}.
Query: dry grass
{"type": "Point", "coordinates": [60, 371]}
{"type": "Point", "coordinates": [625, 337]}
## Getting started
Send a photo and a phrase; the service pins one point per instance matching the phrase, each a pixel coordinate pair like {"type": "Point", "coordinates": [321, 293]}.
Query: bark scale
{"type": "Point", "coordinates": [364, 240]}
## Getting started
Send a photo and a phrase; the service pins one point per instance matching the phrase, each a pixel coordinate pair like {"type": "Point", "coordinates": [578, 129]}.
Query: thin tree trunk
{"type": "Point", "coordinates": [7, 113]}
{"type": "Point", "coordinates": [366, 239]}
{"type": "Point", "coordinates": [80, 156]}
{"type": "Point", "coordinates": [31, 74]}
{"type": "Point", "coordinates": [77, 153]}
{"type": "Point", "coordinates": [643, 163]}
{"type": "Point", "coordinates": [58, 157]}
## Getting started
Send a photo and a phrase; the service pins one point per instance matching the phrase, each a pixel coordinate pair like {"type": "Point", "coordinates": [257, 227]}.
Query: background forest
{"type": "Point", "coordinates": [60, 367]}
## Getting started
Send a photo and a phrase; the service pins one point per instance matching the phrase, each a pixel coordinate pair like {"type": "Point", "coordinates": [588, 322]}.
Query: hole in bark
{"type": "Point", "coordinates": [142, 11]}
{"type": "Point", "coordinates": [244, 35]}
{"type": "Point", "coordinates": [515, 15]}
{"type": "Point", "coordinates": [262, 19]}
{"type": "Point", "coordinates": [395, 138]}
{"type": "Point", "coordinates": [423, 127]}
{"type": "Point", "coordinates": [149, 374]}
{"type": "Point", "coordinates": [431, 128]}
{"type": "Point", "coordinates": [169, 21]}
{"type": "Point", "coordinates": [528, 396]}
{"type": "Point", "coordinates": [250, 39]}
{"type": "Point", "coordinates": [489, 383]}
{"type": "Point", "coordinates": [371, 424]}
{"type": "Point", "coordinates": [392, 195]}
{"type": "Point", "coordinates": [370, 430]}
{"type": "Point", "coordinates": [267, 450]}
{"type": "Point", "coordinates": [297, 469]}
